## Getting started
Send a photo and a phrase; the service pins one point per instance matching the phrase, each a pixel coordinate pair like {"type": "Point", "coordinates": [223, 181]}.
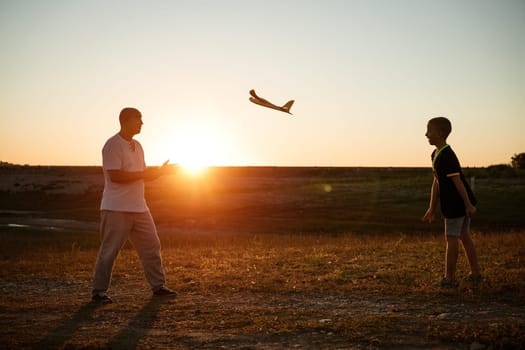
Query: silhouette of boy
{"type": "Point", "coordinates": [457, 202]}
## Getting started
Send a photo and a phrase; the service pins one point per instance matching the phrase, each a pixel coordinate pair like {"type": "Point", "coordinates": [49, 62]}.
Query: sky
{"type": "Point", "coordinates": [366, 75]}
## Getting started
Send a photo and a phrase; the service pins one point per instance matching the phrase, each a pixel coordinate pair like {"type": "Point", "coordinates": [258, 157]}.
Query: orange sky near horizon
{"type": "Point", "coordinates": [366, 76]}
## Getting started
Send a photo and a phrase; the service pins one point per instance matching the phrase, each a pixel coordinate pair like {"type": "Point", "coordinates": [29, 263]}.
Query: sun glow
{"type": "Point", "coordinates": [196, 150]}
{"type": "Point", "coordinates": [193, 166]}
{"type": "Point", "coordinates": [195, 144]}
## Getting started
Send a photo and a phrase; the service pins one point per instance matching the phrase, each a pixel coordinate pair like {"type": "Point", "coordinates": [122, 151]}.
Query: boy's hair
{"type": "Point", "coordinates": [442, 124]}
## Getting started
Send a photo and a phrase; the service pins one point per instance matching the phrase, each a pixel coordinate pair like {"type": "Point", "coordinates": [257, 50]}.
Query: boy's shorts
{"type": "Point", "coordinates": [457, 226]}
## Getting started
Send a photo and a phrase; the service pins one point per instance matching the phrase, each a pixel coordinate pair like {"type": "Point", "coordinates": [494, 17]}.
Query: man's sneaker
{"type": "Point", "coordinates": [164, 291]}
{"type": "Point", "coordinates": [101, 298]}
{"type": "Point", "coordinates": [448, 283]}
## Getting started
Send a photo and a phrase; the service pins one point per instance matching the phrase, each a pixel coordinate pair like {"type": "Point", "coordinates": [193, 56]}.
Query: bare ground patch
{"type": "Point", "coordinates": [242, 320]}
{"type": "Point", "coordinates": [262, 292]}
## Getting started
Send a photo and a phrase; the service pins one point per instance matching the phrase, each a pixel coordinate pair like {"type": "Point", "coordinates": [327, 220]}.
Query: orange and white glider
{"type": "Point", "coordinates": [262, 102]}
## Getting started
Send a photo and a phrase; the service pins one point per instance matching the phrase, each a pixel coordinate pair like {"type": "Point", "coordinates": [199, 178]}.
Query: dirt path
{"type": "Point", "coordinates": [51, 314]}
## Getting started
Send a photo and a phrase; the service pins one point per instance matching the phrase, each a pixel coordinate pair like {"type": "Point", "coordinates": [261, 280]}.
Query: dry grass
{"type": "Point", "coordinates": [269, 272]}
{"type": "Point", "coordinates": [262, 292]}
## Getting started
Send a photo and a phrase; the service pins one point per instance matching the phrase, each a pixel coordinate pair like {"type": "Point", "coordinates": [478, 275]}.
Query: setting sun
{"type": "Point", "coordinates": [196, 153]}
{"type": "Point", "coordinates": [195, 145]}
{"type": "Point", "coordinates": [193, 169]}
{"type": "Point", "coordinates": [196, 149]}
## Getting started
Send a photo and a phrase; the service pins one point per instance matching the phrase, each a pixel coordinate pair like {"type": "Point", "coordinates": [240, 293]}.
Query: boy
{"type": "Point", "coordinates": [457, 202]}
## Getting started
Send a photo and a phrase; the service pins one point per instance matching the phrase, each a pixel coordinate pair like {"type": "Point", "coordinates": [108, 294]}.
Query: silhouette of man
{"type": "Point", "coordinates": [124, 212]}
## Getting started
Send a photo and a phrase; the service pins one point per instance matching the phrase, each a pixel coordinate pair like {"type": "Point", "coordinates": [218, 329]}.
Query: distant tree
{"type": "Point", "coordinates": [518, 161]}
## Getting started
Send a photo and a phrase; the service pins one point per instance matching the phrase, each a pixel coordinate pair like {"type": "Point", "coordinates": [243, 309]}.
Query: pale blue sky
{"type": "Point", "coordinates": [366, 77]}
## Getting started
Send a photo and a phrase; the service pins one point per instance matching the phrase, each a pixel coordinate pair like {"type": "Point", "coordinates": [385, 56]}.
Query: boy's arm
{"type": "Point", "coordinates": [434, 199]}
{"type": "Point", "coordinates": [469, 207]}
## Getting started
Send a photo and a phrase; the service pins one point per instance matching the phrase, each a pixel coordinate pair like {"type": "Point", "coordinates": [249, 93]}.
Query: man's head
{"type": "Point", "coordinates": [130, 121]}
{"type": "Point", "coordinates": [438, 130]}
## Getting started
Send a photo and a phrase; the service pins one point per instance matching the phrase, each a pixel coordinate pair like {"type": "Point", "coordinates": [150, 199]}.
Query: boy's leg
{"type": "Point", "coordinates": [452, 233]}
{"type": "Point", "coordinates": [146, 241]}
{"type": "Point", "coordinates": [470, 250]}
{"type": "Point", "coordinates": [114, 228]}
{"type": "Point", "coordinates": [451, 257]}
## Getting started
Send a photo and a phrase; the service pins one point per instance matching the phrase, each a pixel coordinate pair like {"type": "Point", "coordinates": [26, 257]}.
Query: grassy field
{"type": "Point", "coordinates": [270, 199]}
{"type": "Point", "coordinates": [269, 291]}
{"type": "Point", "coordinates": [262, 258]}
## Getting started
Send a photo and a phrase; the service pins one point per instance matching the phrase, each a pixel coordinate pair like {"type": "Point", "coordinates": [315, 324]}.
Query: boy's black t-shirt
{"type": "Point", "coordinates": [445, 164]}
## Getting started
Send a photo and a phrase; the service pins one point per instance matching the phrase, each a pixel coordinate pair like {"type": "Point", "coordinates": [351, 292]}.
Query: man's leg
{"type": "Point", "coordinates": [146, 241]}
{"type": "Point", "coordinates": [114, 229]}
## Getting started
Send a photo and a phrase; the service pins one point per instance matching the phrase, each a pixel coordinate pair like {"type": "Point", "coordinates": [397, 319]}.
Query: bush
{"type": "Point", "coordinates": [500, 170]}
{"type": "Point", "coordinates": [518, 161]}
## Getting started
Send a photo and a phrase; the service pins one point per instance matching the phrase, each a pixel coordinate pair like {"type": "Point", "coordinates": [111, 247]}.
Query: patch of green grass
{"type": "Point", "coordinates": [292, 200]}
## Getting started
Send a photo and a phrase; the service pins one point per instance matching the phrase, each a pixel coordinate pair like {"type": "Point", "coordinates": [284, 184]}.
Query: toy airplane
{"type": "Point", "coordinates": [262, 102]}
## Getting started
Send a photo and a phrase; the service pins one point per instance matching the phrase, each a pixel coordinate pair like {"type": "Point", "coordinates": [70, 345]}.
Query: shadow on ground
{"type": "Point", "coordinates": [128, 338]}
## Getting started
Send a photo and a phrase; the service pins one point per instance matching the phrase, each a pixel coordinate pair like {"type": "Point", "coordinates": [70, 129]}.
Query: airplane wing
{"type": "Point", "coordinates": [262, 102]}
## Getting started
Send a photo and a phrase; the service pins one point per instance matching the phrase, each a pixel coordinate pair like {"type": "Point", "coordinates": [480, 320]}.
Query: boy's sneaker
{"type": "Point", "coordinates": [101, 298]}
{"type": "Point", "coordinates": [448, 283]}
{"type": "Point", "coordinates": [474, 279]}
{"type": "Point", "coordinates": [164, 291]}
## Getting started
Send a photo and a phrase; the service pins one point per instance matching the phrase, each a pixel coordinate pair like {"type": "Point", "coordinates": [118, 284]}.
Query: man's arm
{"type": "Point", "coordinates": [469, 207]}
{"type": "Point", "coordinates": [121, 176]}
{"type": "Point", "coordinates": [430, 215]}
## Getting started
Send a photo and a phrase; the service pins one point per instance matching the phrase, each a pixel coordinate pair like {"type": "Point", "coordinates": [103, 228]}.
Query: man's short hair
{"type": "Point", "coordinates": [128, 112]}
{"type": "Point", "coordinates": [442, 124]}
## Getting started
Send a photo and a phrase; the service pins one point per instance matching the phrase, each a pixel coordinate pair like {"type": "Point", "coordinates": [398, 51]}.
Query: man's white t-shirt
{"type": "Point", "coordinates": [119, 154]}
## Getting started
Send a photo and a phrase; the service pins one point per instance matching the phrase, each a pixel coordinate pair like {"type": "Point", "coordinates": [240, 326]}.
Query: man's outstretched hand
{"type": "Point", "coordinates": [156, 172]}
{"type": "Point", "coordinates": [168, 169]}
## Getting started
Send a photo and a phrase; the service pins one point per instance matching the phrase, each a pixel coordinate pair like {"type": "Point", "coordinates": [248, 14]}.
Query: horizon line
{"type": "Point", "coordinates": [4, 164]}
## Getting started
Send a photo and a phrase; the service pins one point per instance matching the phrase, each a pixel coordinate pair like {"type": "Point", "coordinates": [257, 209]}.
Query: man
{"type": "Point", "coordinates": [124, 212]}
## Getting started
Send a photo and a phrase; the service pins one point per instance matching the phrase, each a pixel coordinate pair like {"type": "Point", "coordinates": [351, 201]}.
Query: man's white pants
{"type": "Point", "coordinates": [115, 228]}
